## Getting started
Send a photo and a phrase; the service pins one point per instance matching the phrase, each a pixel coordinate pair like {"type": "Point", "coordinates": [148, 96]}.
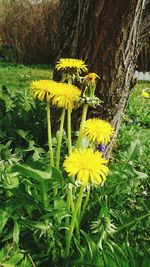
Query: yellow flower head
{"type": "Point", "coordinates": [91, 78]}
{"type": "Point", "coordinates": [99, 131]}
{"type": "Point", "coordinates": [145, 94]}
{"type": "Point", "coordinates": [65, 95]}
{"type": "Point", "coordinates": [42, 89]}
{"type": "Point", "coordinates": [87, 165]}
{"type": "Point", "coordinates": [71, 64]}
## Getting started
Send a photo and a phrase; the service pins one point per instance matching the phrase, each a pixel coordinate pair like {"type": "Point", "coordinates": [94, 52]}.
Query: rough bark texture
{"type": "Point", "coordinates": [144, 41]}
{"type": "Point", "coordinates": [108, 35]}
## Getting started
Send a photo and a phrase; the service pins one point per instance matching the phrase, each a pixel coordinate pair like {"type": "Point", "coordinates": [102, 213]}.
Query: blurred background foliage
{"type": "Point", "coordinates": [29, 30]}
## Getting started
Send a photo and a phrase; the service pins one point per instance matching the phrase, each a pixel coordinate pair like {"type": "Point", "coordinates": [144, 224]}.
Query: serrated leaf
{"type": "Point", "coordinates": [141, 175]}
{"type": "Point", "coordinates": [132, 151]}
{"type": "Point", "coordinates": [4, 216]}
{"type": "Point", "coordinates": [16, 232]}
{"type": "Point", "coordinates": [28, 171]}
{"type": "Point", "coordinates": [13, 261]}
{"type": "Point", "coordinates": [39, 225]}
{"type": "Point", "coordinates": [24, 134]}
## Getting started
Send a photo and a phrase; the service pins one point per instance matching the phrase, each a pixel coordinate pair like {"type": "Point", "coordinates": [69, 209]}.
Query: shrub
{"type": "Point", "coordinates": [29, 31]}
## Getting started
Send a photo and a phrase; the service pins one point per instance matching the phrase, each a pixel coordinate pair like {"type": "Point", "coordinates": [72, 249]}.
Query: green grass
{"type": "Point", "coordinates": [17, 77]}
{"type": "Point", "coordinates": [139, 107]}
{"type": "Point", "coordinates": [136, 124]}
{"type": "Point", "coordinates": [127, 193]}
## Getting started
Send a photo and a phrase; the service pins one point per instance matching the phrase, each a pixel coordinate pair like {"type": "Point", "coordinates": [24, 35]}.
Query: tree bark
{"type": "Point", "coordinates": [106, 34]}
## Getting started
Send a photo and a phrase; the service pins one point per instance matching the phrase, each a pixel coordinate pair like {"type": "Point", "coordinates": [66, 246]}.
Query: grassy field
{"type": "Point", "coordinates": [120, 209]}
{"type": "Point", "coordinates": [18, 76]}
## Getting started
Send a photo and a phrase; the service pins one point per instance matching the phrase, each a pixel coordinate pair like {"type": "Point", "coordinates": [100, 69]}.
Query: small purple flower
{"type": "Point", "coordinates": [101, 148]}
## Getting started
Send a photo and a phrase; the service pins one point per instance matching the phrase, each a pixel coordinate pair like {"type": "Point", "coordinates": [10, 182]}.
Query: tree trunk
{"type": "Point", "coordinates": [106, 34]}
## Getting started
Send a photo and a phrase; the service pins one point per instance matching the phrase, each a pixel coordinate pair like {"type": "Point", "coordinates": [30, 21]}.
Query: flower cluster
{"type": "Point", "coordinates": [89, 165]}
{"type": "Point", "coordinates": [85, 165]}
{"type": "Point", "coordinates": [62, 95]}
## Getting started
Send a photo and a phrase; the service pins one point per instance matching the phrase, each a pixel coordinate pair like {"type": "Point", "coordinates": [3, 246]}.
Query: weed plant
{"type": "Point", "coordinates": [34, 217]}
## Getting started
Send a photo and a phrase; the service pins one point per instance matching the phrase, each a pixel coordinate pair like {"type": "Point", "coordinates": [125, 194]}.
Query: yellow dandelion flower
{"type": "Point", "coordinates": [42, 89]}
{"type": "Point", "coordinates": [65, 95]}
{"type": "Point", "coordinates": [99, 131]}
{"type": "Point", "coordinates": [91, 78]}
{"type": "Point", "coordinates": [71, 64]}
{"type": "Point", "coordinates": [145, 94]}
{"type": "Point", "coordinates": [88, 166]}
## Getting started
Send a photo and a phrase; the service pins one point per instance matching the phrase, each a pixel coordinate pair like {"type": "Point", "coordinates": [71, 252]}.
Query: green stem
{"type": "Point", "coordinates": [76, 222]}
{"type": "Point", "coordinates": [44, 194]}
{"type": "Point", "coordinates": [69, 131]}
{"type": "Point", "coordinates": [133, 222]}
{"type": "Point", "coordinates": [85, 202]}
{"type": "Point", "coordinates": [84, 112]}
{"type": "Point", "coordinates": [72, 224]}
{"type": "Point", "coordinates": [33, 264]}
{"type": "Point", "coordinates": [70, 205]}
{"type": "Point", "coordinates": [49, 134]}
{"type": "Point", "coordinates": [60, 138]}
